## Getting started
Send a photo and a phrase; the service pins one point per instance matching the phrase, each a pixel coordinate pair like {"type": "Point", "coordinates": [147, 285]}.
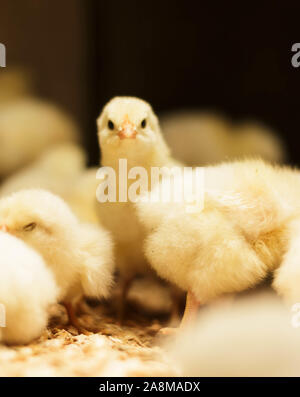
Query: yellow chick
{"type": "Point", "coordinates": [27, 128]}
{"type": "Point", "coordinates": [203, 138]}
{"type": "Point", "coordinates": [254, 337]}
{"type": "Point", "coordinates": [129, 129]}
{"type": "Point", "coordinates": [248, 227]}
{"type": "Point", "coordinates": [27, 289]}
{"type": "Point", "coordinates": [79, 255]}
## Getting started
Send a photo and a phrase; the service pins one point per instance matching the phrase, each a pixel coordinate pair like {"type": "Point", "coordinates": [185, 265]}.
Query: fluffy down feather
{"type": "Point", "coordinates": [27, 128]}
{"type": "Point", "coordinates": [27, 288]}
{"type": "Point", "coordinates": [80, 255]}
{"type": "Point", "coordinates": [202, 138]}
{"type": "Point", "coordinates": [254, 337]}
{"type": "Point", "coordinates": [245, 230]}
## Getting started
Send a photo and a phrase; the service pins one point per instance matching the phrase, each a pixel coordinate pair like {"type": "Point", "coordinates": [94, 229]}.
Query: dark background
{"type": "Point", "coordinates": [233, 57]}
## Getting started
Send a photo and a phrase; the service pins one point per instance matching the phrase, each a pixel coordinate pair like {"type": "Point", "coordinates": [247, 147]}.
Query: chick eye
{"type": "Point", "coordinates": [144, 123]}
{"type": "Point", "coordinates": [110, 125]}
{"type": "Point", "coordinates": [30, 227]}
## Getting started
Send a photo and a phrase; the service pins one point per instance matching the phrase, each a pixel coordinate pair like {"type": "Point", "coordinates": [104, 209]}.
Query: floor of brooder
{"type": "Point", "coordinates": [130, 349]}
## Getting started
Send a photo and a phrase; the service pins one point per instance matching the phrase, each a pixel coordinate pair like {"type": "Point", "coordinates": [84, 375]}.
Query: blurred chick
{"type": "Point", "coordinates": [202, 138]}
{"type": "Point", "coordinates": [27, 128]}
{"type": "Point", "coordinates": [62, 171]}
{"type": "Point", "coordinates": [27, 289]}
{"type": "Point", "coordinates": [56, 170]}
{"type": "Point", "coordinates": [129, 129]}
{"type": "Point", "coordinates": [254, 337]}
{"type": "Point", "coordinates": [80, 255]}
{"type": "Point", "coordinates": [249, 226]}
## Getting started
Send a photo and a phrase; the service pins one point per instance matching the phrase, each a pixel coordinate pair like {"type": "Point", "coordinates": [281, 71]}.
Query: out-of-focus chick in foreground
{"type": "Point", "coordinates": [79, 255]}
{"type": "Point", "coordinates": [129, 129]}
{"type": "Point", "coordinates": [204, 138]}
{"type": "Point", "coordinates": [249, 227]}
{"type": "Point", "coordinates": [253, 337]}
{"type": "Point", "coordinates": [27, 289]}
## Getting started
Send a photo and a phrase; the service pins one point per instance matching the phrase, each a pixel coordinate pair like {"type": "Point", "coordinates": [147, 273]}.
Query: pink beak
{"type": "Point", "coordinates": [128, 130]}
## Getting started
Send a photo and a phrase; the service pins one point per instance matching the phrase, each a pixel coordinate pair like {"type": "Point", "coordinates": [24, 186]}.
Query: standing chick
{"type": "Point", "coordinates": [249, 226]}
{"type": "Point", "coordinates": [129, 129]}
{"type": "Point", "coordinates": [27, 289]}
{"type": "Point", "coordinates": [80, 255]}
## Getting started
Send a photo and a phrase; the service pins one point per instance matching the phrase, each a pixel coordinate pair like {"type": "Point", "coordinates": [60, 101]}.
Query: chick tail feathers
{"type": "Point", "coordinates": [252, 338]}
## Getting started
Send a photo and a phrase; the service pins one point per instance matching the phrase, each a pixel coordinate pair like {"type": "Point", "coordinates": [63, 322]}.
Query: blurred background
{"type": "Point", "coordinates": [229, 57]}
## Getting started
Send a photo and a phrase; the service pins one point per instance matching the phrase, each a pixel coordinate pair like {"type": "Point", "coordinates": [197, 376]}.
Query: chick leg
{"type": "Point", "coordinates": [189, 316]}
{"type": "Point", "coordinates": [73, 320]}
{"type": "Point", "coordinates": [125, 287]}
{"type": "Point", "coordinates": [177, 298]}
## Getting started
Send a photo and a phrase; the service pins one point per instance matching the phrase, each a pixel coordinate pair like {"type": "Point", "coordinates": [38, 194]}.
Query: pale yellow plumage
{"type": "Point", "coordinates": [248, 228]}
{"type": "Point", "coordinates": [27, 289]}
{"type": "Point", "coordinates": [146, 149]}
{"type": "Point", "coordinates": [79, 255]}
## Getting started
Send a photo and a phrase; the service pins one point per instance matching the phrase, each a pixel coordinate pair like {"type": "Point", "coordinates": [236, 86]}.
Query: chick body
{"type": "Point", "coordinates": [245, 230]}
{"type": "Point", "coordinates": [27, 289]}
{"type": "Point", "coordinates": [142, 147]}
{"type": "Point", "coordinates": [79, 255]}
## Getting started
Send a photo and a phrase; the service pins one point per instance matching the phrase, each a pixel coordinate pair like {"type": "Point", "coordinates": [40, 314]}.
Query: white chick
{"type": "Point", "coordinates": [202, 138]}
{"type": "Point", "coordinates": [129, 129]}
{"type": "Point", "coordinates": [27, 128]}
{"type": "Point", "coordinates": [245, 230]}
{"type": "Point", "coordinates": [27, 289]}
{"type": "Point", "coordinates": [80, 255]}
{"type": "Point", "coordinates": [254, 337]}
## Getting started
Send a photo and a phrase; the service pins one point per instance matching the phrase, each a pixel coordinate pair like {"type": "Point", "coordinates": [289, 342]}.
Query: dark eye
{"type": "Point", "coordinates": [30, 227]}
{"type": "Point", "coordinates": [110, 125]}
{"type": "Point", "coordinates": [144, 123]}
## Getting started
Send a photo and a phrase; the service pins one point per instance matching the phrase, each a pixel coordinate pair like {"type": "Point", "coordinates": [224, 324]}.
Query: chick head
{"type": "Point", "coordinates": [128, 122]}
{"type": "Point", "coordinates": [40, 218]}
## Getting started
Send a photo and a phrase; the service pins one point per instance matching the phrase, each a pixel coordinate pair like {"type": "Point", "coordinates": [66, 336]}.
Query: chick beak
{"type": "Point", "coordinates": [4, 228]}
{"type": "Point", "coordinates": [127, 130]}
